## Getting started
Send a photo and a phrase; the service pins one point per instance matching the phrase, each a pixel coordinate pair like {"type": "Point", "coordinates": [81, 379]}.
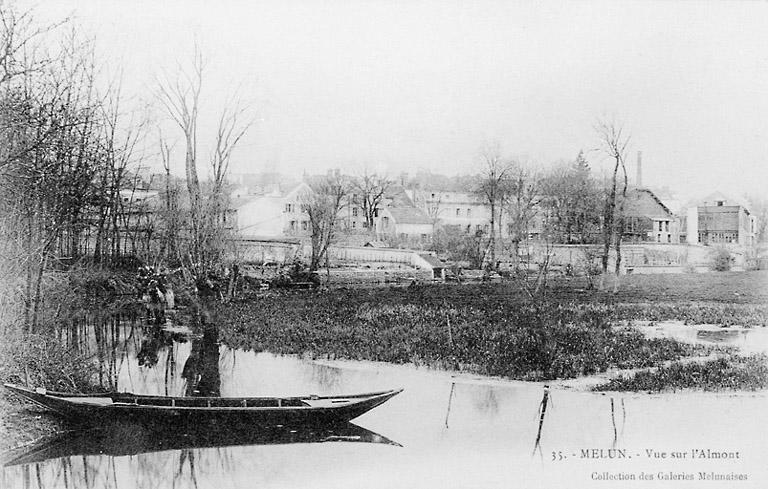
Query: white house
{"type": "Point", "coordinates": [275, 214]}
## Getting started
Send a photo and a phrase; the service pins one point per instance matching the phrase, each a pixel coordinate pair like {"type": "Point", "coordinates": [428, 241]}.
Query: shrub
{"type": "Point", "coordinates": [41, 361]}
{"type": "Point", "coordinates": [722, 259]}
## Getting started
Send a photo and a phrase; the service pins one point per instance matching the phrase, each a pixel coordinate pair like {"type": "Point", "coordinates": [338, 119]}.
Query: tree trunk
{"type": "Point", "coordinates": [492, 244]}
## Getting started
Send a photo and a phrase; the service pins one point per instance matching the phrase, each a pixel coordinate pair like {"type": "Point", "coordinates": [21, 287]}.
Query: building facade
{"type": "Point", "coordinates": [275, 214]}
{"type": "Point", "coordinates": [718, 219]}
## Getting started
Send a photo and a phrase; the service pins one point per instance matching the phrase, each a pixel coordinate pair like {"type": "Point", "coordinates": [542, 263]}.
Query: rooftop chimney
{"type": "Point", "coordinates": [639, 177]}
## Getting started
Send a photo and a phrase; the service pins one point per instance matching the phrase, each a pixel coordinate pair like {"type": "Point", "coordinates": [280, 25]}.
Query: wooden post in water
{"type": "Point", "coordinates": [450, 398]}
{"type": "Point", "coordinates": [613, 422]}
{"type": "Point", "coordinates": [542, 411]}
{"type": "Point", "coordinates": [623, 416]}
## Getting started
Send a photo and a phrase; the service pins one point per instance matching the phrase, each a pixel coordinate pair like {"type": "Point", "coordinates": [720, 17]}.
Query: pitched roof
{"type": "Point", "coordinates": [643, 202]}
{"type": "Point", "coordinates": [409, 215]}
{"type": "Point", "coordinates": [432, 260]}
{"type": "Point", "coordinates": [399, 196]}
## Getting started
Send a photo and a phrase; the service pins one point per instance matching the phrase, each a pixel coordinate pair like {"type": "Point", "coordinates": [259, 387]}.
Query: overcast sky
{"type": "Point", "coordinates": [409, 85]}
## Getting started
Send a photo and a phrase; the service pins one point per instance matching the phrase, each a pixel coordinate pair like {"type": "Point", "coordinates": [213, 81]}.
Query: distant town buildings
{"type": "Point", "coordinates": [415, 214]}
{"type": "Point", "coordinates": [413, 210]}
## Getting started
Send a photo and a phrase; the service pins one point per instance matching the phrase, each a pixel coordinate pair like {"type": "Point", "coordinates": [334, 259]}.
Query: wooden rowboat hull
{"type": "Point", "coordinates": [99, 409]}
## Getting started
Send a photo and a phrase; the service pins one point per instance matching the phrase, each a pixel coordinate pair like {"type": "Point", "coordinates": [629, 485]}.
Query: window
{"type": "Point", "coordinates": [660, 224]}
{"type": "Point", "coordinates": [354, 224]}
{"type": "Point", "coordinates": [293, 225]}
{"type": "Point", "coordinates": [385, 221]}
{"type": "Point", "coordinates": [469, 228]}
{"type": "Point", "coordinates": [354, 212]}
{"type": "Point", "coordinates": [469, 212]}
{"type": "Point", "coordinates": [666, 226]}
{"type": "Point", "coordinates": [658, 238]}
{"type": "Point", "coordinates": [289, 207]}
{"type": "Point", "coordinates": [720, 203]}
{"type": "Point", "coordinates": [669, 238]}
{"type": "Point", "coordinates": [304, 225]}
{"type": "Point", "coordinates": [458, 212]}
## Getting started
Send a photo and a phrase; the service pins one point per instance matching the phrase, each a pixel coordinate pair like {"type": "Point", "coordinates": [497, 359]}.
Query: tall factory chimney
{"type": "Point", "coordinates": [639, 177]}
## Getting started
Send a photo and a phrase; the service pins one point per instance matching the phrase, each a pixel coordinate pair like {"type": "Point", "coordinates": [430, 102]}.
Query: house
{"type": "Point", "coordinates": [276, 214]}
{"type": "Point", "coordinates": [719, 219]}
{"type": "Point", "coordinates": [404, 222]}
{"type": "Point", "coordinates": [648, 219]}
{"type": "Point", "coordinates": [465, 210]}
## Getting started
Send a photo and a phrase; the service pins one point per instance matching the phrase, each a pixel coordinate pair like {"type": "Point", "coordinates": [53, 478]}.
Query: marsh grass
{"type": "Point", "coordinates": [471, 328]}
{"type": "Point", "coordinates": [728, 373]}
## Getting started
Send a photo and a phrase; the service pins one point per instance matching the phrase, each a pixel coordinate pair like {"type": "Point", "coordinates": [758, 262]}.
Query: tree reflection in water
{"type": "Point", "coordinates": [201, 370]}
{"type": "Point", "coordinates": [325, 376]}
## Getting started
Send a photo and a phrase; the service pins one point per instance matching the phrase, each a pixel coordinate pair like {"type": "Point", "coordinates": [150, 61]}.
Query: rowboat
{"type": "Point", "coordinates": [129, 439]}
{"type": "Point", "coordinates": [99, 409]}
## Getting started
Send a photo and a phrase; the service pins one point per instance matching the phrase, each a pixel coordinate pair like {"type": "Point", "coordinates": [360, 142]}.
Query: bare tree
{"type": "Point", "coordinates": [53, 135]}
{"type": "Point", "coordinates": [181, 99]}
{"type": "Point", "coordinates": [207, 213]}
{"type": "Point", "coordinates": [521, 200]}
{"type": "Point", "coordinates": [323, 205]}
{"type": "Point", "coordinates": [613, 143]}
{"type": "Point", "coordinates": [19, 38]}
{"type": "Point", "coordinates": [370, 189]}
{"type": "Point", "coordinates": [492, 187]}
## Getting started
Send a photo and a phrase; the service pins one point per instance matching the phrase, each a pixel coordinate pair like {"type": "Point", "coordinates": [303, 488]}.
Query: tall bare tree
{"type": "Point", "coordinates": [207, 212]}
{"type": "Point", "coordinates": [521, 198]}
{"type": "Point", "coordinates": [613, 143]}
{"type": "Point", "coordinates": [493, 188]}
{"type": "Point", "coordinates": [181, 99]}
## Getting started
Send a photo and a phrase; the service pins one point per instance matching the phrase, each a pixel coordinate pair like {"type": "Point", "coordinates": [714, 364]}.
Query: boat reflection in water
{"type": "Point", "coordinates": [127, 439]}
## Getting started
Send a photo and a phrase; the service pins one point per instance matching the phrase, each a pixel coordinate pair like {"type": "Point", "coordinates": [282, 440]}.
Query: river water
{"type": "Point", "coordinates": [442, 431]}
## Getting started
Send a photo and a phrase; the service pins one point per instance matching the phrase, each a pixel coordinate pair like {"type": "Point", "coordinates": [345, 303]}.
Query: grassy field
{"type": "Point", "coordinates": [721, 287]}
{"type": "Point", "coordinates": [497, 329]}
